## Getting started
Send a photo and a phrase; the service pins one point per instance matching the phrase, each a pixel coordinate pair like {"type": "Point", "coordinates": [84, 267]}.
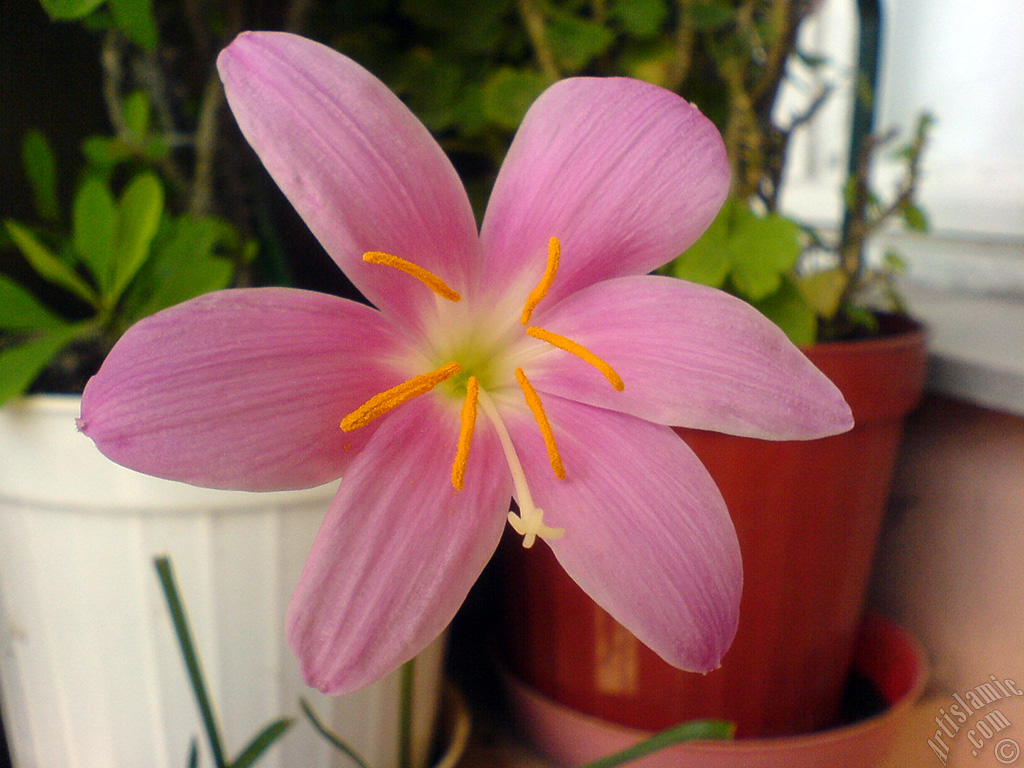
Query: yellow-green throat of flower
{"type": "Point", "coordinates": [529, 523]}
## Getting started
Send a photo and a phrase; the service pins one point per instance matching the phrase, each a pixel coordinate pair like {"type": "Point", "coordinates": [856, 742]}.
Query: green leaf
{"type": "Point", "coordinates": [895, 264]}
{"type": "Point", "coordinates": [430, 88]}
{"type": "Point", "coordinates": [863, 317]}
{"type": "Point", "coordinates": [708, 261]}
{"type": "Point", "coordinates": [94, 233]}
{"type": "Point", "coordinates": [823, 291]}
{"type": "Point", "coordinates": [914, 218]}
{"type": "Point", "coordinates": [576, 41]}
{"type": "Point", "coordinates": [332, 738]}
{"type": "Point", "coordinates": [48, 266]}
{"type": "Point", "coordinates": [763, 250]}
{"type": "Point", "coordinates": [709, 15]}
{"type": "Point", "coordinates": [67, 10]}
{"type": "Point", "coordinates": [694, 730]}
{"type": "Point", "coordinates": [508, 93]}
{"type": "Point", "coordinates": [20, 310]}
{"type": "Point", "coordinates": [155, 148]}
{"type": "Point", "coordinates": [139, 211]}
{"type": "Point", "coordinates": [788, 310]}
{"type": "Point", "coordinates": [21, 364]}
{"type": "Point", "coordinates": [137, 114]}
{"type": "Point", "coordinates": [105, 152]}
{"type": "Point", "coordinates": [135, 19]}
{"type": "Point", "coordinates": [640, 18]}
{"type": "Point", "coordinates": [261, 743]}
{"type": "Point", "coordinates": [184, 263]}
{"type": "Point", "coordinates": [467, 25]}
{"type": "Point", "coordinates": [814, 61]}
{"type": "Point", "coordinates": [41, 170]}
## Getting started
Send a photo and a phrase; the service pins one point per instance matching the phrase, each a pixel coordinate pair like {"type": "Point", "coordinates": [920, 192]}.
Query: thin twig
{"type": "Point", "coordinates": [110, 57]}
{"type": "Point", "coordinates": [682, 55]}
{"type": "Point", "coordinates": [297, 15]}
{"type": "Point", "coordinates": [533, 20]}
{"type": "Point", "coordinates": [148, 71]}
{"type": "Point", "coordinates": [812, 109]}
{"type": "Point", "coordinates": [206, 146]}
{"type": "Point", "coordinates": [198, 27]}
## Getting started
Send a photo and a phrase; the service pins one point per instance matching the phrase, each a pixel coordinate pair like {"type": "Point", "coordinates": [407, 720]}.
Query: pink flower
{"type": "Point", "coordinates": [536, 360]}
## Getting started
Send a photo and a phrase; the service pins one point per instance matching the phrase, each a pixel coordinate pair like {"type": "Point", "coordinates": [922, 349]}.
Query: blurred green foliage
{"type": "Point", "coordinates": [142, 232]}
{"type": "Point", "coordinates": [470, 70]}
{"type": "Point", "coordinates": [115, 259]}
{"type": "Point", "coordinates": [133, 18]}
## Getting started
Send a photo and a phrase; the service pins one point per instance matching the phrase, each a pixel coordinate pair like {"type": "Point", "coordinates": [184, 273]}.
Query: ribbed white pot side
{"type": "Point", "coordinates": [90, 670]}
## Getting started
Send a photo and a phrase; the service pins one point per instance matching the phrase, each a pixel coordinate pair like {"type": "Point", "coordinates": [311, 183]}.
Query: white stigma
{"type": "Point", "coordinates": [529, 523]}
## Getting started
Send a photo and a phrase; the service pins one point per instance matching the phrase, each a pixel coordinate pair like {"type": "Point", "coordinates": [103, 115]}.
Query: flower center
{"type": "Point", "coordinates": [465, 373]}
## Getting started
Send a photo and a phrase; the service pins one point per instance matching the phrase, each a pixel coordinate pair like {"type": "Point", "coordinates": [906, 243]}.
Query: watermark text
{"type": "Point", "coordinates": [971, 715]}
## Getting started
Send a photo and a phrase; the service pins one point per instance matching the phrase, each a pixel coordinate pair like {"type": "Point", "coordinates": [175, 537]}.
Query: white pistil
{"type": "Point", "coordinates": [529, 523]}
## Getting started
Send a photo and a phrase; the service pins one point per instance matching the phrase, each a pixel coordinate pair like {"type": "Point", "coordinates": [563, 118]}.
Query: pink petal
{"type": "Point", "coordinates": [361, 170]}
{"type": "Point", "coordinates": [690, 356]}
{"type": "Point", "coordinates": [398, 550]}
{"type": "Point", "coordinates": [647, 534]}
{"type": "Point", "coordinates": [242, 389]}
{"type": "Point", "coordinates": [627, 175]}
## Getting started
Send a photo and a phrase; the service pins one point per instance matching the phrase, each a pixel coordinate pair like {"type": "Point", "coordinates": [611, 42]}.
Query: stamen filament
{"type": "Point", "coordinates": [546, 281]}
{"type": "Point", "coordinates": [428, 278]}
{"type": "Point", "coordinates": [529, 523]}
{"type": "Point", "coordinates": [580, 351]}
{"type": "Point", "coordinates": [380, 404]}
{"type": "Point", "coordinates": [466, 426]}
{"type": "Point", "coordinates": [537, 408]}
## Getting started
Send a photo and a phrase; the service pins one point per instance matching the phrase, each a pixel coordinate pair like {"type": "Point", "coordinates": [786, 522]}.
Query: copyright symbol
{"type": "Point", "coordinates": [1007, 751]}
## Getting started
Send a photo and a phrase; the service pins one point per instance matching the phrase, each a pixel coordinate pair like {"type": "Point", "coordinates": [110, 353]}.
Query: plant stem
{"type": "Point", "coordinates": [406, 692]}
{"type": "Point", "coordinates": [683, 49]}
{"type": "Point", "coordinates": [206, 146]}
{"type": "Point", "coordinates": [533, 20]}
{"type": "Point", "coordinates": [110, 57]}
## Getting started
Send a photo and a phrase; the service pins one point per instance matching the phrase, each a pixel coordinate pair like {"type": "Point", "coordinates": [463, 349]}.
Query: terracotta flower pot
{"type": "Point", "coordinates": [807, 515]}
{"type": "Point", "coordinates": [887, 657]}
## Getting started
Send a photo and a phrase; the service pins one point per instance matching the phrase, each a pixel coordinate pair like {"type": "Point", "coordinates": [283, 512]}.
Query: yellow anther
{"type": "Point", "coordinates": [580, 351]}
{"type": "Point", "coordinates": [466, 426]}
{"type": "Point", "coordinates": [429, 279]}
{"type": "Point", "coordinates": [533, 400]}
{"type": "Point", "coordinates": [380, 404]}
{"type": "Point", "coordinates": [538, 293]}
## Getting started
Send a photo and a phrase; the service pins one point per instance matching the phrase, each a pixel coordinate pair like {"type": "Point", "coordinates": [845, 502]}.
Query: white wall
{"type": "Point", "coordinates": [963, 61]}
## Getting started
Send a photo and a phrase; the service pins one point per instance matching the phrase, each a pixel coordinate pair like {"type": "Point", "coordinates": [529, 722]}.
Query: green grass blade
{"type": "Point", "coordinates": [261, 743]}
{"type": "Point", "coordinates": [332, 738]}
{"type": "Point", "coordinates": [188, 652]}
{"type": "Point", "coordinates": [693, 730]}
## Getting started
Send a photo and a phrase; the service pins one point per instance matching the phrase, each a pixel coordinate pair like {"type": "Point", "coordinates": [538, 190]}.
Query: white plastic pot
{"type": "Point", "coordinates": [90, 671]}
